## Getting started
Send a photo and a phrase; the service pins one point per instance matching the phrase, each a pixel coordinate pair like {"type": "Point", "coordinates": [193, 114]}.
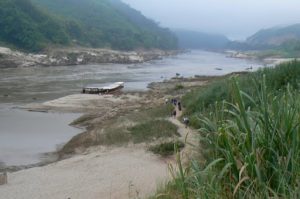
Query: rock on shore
{"type": "Point", "coordinates": [77, 56]}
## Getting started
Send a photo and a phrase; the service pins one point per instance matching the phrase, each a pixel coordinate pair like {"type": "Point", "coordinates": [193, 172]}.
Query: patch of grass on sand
{"type": "Point", "coordinates": [166, 148]}
{"type": "Point", "coordinates": [137, 126]}
{"type": "Point", "coordinates": [152, 130]}
{"type": "Point", "coordinates": [178, 87]}
{"type": "Point", "coordinates": [114, 137]}
{"type": "Point", "coordinates": [143, 115]}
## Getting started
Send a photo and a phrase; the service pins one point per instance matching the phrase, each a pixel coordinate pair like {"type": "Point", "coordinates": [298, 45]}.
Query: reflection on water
{"type": "Point", "coordinates": [45, 83]}
{"type": "Point", "coordinates": [25, 135]}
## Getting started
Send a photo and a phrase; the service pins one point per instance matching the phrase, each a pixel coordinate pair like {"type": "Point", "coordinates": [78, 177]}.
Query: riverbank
{"type": "Point", "coordinates": [108, 168]}
{"type": "Point", "coordinates": [78, 56]}
{"type": "Point", "coordinates": [238, 117]}
{"type": "Point", "coordinates": [129, 120]}
{"type": "Point", "coordinates": [267, 58]}
{"type": "Point", "coordinates": [100, 173]}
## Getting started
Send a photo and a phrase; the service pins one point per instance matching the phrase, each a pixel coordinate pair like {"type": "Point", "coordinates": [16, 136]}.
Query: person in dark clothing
{"type": "Point", "coordinates": [175, 102]}
{"type": "Point", "coordinates": [174, 113]}
{"type": "Point", "coordinates": [179, 106]}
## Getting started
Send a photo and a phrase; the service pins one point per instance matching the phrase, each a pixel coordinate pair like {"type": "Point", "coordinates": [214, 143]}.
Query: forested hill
{"type": "Point", "coordinates": [36, 24]}
{"type": "Point", "coordinates": [24, 26]}
{"type": "Point", "coordinates": [276, 38]}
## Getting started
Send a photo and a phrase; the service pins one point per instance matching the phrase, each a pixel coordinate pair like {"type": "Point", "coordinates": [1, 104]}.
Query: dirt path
{"type": "Point", "coordinates": [117, 173]}
{"type": "Point", "coordinates": [188, 135]}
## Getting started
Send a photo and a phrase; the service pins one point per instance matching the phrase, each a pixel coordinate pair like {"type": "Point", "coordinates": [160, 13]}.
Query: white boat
{"type": "Point", "coordinates": [103, 90]}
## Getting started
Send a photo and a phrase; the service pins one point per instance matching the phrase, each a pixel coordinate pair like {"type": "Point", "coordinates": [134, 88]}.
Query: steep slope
{"type": "Point", "coordinates": [24, 26]}
{"type": "Point", "coordinates": [199, 40]}
{"type": "Point", "coordinates": [34, 25]}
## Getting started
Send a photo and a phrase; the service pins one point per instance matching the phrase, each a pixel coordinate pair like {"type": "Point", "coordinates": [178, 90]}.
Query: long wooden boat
{"type": "Point", "coordinates": [103, 90]}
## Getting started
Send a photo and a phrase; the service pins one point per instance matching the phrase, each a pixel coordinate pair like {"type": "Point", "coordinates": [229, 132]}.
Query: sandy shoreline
{"type": "Point", "coordinates": [102, 173]}
{"type": "Point", "coordinates": [99, 172]}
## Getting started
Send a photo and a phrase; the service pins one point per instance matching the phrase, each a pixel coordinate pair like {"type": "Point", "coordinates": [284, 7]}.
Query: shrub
{"type": "Point", "coordinates": [166, 148]}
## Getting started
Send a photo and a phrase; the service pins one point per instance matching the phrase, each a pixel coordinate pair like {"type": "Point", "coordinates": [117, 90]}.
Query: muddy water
{"type": "Point", "coordinates": [44, 83]}
{"type": "Point", "coordinates": [25, 135]}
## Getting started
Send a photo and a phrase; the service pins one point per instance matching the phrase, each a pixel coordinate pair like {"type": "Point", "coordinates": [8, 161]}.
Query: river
{"type": "Point", "coordinates": [24, 135]}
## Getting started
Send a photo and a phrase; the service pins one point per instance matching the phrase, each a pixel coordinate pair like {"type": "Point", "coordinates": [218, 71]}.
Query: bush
{"type": "Point", "coordinates": [166, 148]}
{"type": "Point", "coordinates": [178, 87]}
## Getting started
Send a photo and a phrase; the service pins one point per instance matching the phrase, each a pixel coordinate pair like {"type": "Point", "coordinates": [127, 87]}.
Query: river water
{"type": "Point", "coordinates": [25, 135]}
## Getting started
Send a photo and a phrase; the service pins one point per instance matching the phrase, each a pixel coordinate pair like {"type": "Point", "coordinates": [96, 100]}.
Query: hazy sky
{"type": "Point", "coordinates": [235, 18]}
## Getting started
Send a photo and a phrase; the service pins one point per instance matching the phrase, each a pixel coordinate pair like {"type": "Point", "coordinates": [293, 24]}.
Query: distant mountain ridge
{"type": "Point", "coordinates": [285, 38]}
{"type": "Point", "coordinates": [36, 24]}
{"type": "Point", "coordinates": [275, 36]}
{"type": "Point", "coordinates": [200, 40]}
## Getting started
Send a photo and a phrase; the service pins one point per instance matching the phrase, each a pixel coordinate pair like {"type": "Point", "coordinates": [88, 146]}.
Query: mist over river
{"type": "Point", "coordinates": [25, 135]}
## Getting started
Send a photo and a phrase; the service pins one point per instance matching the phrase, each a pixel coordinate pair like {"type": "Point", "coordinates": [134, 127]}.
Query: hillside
{"type": "Point", "coordinates": [275, 36]}
{"type": "Point", "coordinates": [24, 26]}
{"type": "Point", "coordinates": [34, 25]}
{"type": "Point", "coordinates": [276, 41]}
{"type": "Point", "coordinates": [200, 40]}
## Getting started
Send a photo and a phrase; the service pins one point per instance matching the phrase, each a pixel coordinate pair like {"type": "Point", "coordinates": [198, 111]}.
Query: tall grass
{"type": "Point", "coordinates": [258, 146]}
{"type": "Point", "coordinates": [202, 100]}
{"type": "Point", "coordinates": [251, 138]}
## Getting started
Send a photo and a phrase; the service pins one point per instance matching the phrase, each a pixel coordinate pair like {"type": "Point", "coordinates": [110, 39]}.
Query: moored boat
{"type": "Point", "coordinates": [103, 90]}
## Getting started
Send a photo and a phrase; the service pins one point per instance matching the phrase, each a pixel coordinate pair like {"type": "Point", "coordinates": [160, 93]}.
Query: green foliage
{"type": "Point", "coordinates": [26, 27]}
{"type": "Point", "coordinates": [105, 23]}
{"type": "Point", "coordinates": [203, 100]}
{"type": "Point", "coordinates": [178, 87]}
{"type": "Point", "coordinates": [251, 138]}
{"type": "Point", "coordinates": [151, 130]}
{"type": "Point", "coordinates": [166, 148]}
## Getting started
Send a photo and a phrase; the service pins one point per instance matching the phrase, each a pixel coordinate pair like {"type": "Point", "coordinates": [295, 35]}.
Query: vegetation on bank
{"type": "Point", "coordinates": [34, 25]}
{"type": "Point", "coordinates": [250, 136]}
{"type": "Point", "coordinates": [166, 148]}
{"type": "Point", "coordinates": [146, 125]}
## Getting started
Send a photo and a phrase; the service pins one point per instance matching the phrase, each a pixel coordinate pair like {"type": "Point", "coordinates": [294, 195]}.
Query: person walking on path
{"type": "Point", "coordinates": [174, 113]}
{"type": "Point", "coordinates": [175, 102]}
{"type": "Point", "coordinates": [186, 121]}
{"type": "Point", "coordinates": [179, 106]}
